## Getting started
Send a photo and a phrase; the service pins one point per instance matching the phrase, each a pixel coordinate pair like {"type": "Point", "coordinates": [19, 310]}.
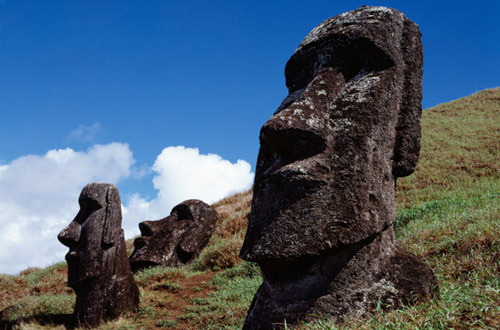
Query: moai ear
{"type": "Point", "coordinates": [407, 144]}
{"type": "Point", "coordinates": [113, 220]}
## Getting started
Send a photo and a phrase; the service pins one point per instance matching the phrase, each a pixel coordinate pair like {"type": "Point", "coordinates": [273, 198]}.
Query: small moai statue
{"type": "Point", "coordinates": [98, 267]}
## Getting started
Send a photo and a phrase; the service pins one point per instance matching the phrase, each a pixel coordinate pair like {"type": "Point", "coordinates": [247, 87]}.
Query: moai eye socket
{"type": "Point", "coordinates": [348, 55]}
{"type": "Point", "coordinates": [182, 212]}
{"type": "Point", "coordinates": [87, 207]}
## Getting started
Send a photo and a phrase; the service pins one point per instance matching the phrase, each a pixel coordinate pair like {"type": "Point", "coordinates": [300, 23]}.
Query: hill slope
{"type": "Point", "coordinates": [448, 213]}
{"type": "Point", "coordinates": [460, 148]}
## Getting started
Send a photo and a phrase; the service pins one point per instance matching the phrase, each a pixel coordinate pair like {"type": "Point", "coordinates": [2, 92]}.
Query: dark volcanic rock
{"type": "Point", "coordinates": [324, 194]}
{"type": "Point", "coordinates": [177, 239]}
{"type": "Point", "coordinates": [98, 267]}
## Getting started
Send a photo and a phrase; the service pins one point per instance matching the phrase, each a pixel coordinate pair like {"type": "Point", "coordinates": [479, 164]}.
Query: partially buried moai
{"type": "Point", "coordinates": [98, 267]}
{"type": "Point", "coordinates": [321, 224]}
{"type": "Point", "coordinates": [177, 239]}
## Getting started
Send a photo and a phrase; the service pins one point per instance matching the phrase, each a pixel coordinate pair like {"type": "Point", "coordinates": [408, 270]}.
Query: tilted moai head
{"type": "Point", "coordinates": [177, 239]}
{"type": "Point", "coordinates": [330, 155]}
{"type": "Point", "coordinates": [98, 267]}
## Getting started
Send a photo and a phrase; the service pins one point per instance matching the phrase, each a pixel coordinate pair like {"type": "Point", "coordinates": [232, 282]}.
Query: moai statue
{"type": "Point", "coordinates": [177, 239]}
{"type": "Point", "coordinates": [321, 224]}
{"type": "Point", "coordinates": [98, 267]}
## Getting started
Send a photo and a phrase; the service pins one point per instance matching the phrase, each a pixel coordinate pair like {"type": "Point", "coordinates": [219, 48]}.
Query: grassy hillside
{"type": "Point", "coordinates": [448, 213]}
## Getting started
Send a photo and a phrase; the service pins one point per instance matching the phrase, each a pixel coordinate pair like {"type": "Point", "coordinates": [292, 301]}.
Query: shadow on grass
{"type": "Point", "coordinates": [67, 320]}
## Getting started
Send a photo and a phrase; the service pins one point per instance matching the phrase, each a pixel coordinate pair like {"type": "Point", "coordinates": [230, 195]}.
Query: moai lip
{"type": "Point", "coordinates": [321, 224]}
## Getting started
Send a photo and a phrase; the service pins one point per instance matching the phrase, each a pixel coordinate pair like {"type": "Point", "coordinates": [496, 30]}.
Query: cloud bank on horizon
{"type": "Point", "coordinates": [39, 194]}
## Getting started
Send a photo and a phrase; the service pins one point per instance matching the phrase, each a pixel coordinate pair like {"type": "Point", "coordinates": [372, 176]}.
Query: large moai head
{"type": "Point", "coordinates": [331, 153]}
{"type": "Point", "coordinates": [321, 223]}
{"type": "Point", "coordinates": [177, 239]}
{"type": "Point", "coordinates": [98, 267]}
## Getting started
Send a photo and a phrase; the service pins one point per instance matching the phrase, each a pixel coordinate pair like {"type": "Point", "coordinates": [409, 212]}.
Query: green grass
{"type": "Point", "coordinates": [459, 236]}
{"type": "Point", "coordinates": [460, 146]}
{"type": "Point", "coordinates": [448, 213]}
{"type": "Point", "coordinates": [227, 305]}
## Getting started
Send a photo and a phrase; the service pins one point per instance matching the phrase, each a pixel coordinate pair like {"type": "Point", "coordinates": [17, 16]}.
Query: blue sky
{"type": "Point", "coordinates": [78, 76]}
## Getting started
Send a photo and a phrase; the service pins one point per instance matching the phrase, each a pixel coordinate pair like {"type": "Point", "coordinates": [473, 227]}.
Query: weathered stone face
{"type": "Point", "coordinates": [330, 155]}
{"type": "Point", "coordinates": [177, 239]}
{"type": "Point", "coordinates": [324, 191]}
{"type": "Point", "coordinates": [99, 212]}
{"type": "Point", "coordinates": [98, 267]}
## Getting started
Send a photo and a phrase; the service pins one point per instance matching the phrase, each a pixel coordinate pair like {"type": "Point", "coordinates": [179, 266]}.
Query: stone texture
{"type": "Point", "coordinates": [98, 267]}
{"type": "Point", "coordinates": [321, 224]}
{"type": "Point", "coordinates": [177, 239]}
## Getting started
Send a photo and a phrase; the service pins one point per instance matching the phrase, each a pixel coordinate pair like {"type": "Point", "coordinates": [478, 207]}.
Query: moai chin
{"type": "Point", "coordinates": [177, 239]}
{"type": "Point", "coordinates": [321, 224]}
{"type": "Point", "coordinates": [98, 267]}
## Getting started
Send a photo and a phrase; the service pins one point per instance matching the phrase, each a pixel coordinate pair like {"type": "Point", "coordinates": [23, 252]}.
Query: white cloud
{"type": "Point", "coordinates": [183, 173]}
{"type": "Point", "coordinates": [85, 133]}
{"type": "Point", "coordinates": [39, 194]}
{"type": "Point", "coordinates": [39, 197]}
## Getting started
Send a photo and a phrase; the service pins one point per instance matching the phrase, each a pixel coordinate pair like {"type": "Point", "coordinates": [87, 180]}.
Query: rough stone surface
{"type": "Point", "coordinates": [177, 239]}
{"type": "Point", "coordinates": [321, 224]}
{"type": "Point", "coordinates": [98, 267]}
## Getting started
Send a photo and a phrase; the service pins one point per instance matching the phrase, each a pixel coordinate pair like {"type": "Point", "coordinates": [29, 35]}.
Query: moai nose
{"type": "Point", "coordinates": [147, 228]}
{"type": "Point", "coordinates": [291, 143]}
{"type": "Point", "coordinates": [70, 235]}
